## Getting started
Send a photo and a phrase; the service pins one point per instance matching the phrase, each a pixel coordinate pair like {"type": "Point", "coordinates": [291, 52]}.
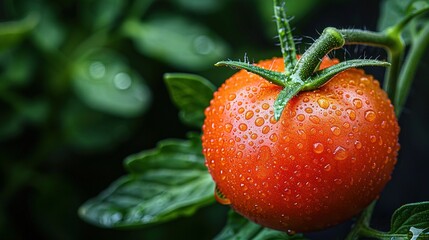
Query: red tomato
{"type": "Point", "coordinates": [330, 154]}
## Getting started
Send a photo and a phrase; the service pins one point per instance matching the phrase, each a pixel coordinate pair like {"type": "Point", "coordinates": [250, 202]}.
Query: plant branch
{"type": "Point", "coordinates": [285, 36]}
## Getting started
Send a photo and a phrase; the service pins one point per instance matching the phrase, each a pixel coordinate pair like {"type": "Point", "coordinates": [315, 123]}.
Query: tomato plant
{"type": "Point", "coordinates": [80, 89]}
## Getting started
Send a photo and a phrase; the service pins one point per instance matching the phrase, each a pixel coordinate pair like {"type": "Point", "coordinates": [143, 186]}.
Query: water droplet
{"type": "Point", "coordinates": [272, 120]}
{"type": "Point", "coordinates": [336, 130]}
{"type": "Point", "coordinates": [122, 81]}
{"type": "Point", "coordinates": [373, 138]}
{"type": "Point", "coordinates": [242, 127]}
{"type": "Point", "coordinates": [338, 181]}
{"type": "Point", "coordinates": [265, 106]}
{"type": "Point", "coordinates": [241, 110]}
{"type": "Point", "coordinates": [248, 115]}
{"type": "Point", "coordinates": [231, 97]}
{"type": "Point", "coordinates": [308, 110]}
{"type": "Point", "coordinates": [323, 103]}
{"type": "Point", "coordinates": [265, 129]}
{"type": "Point", "coordinates": [259, 121]}
{"type": "Point", "coordinates": [358, 144]}
{"type": "Point", "coordinates": [273, 137]}
{"type": "Point", "coordinates": [340, 153]}
{"type": "Point", "coordinates": [253, 136]}
{"type": "Point", "coordinates": [370, 115]}
{"type": "Point", "coordinates": [357, 103]}
{"type": "Point", "coordinates": [318, 148]}
{"type": "Point", "coordinates": [352, 114]}
{"type": "Point", "coordinates": [299, 145]}
{"type": "Point", "coordinates": [203, 45]}
{"type": "Point", "coordinates": [97, 70]}
{"type": "Point", "coordinates": [327, 167]}
{"type": "Point", "coordinates": [314, 119]}
{"type": "Point", "coordinates": [358, 91]}
{"type": "Point", "coordinates": [300, 117]}
{"type": "Point", "coordinates": [228, 127]}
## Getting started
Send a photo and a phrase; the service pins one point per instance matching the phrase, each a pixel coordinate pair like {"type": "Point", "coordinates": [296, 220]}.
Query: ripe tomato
{"type": "Point", "coordinates": [329, 155]}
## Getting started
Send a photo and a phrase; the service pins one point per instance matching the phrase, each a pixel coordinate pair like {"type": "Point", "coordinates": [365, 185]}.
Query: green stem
{"type": "Point", "coordinates": [391, 41]}
{"type": "Point", "coordinates": [330, 39]}
{"type": "Point", "coordinates": [285, 36]}
{"type": "Point", "coordinates": [417, 50]}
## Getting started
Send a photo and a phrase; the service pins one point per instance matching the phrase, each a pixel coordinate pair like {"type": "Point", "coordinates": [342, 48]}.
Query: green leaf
{"type": "Point", "coordinates": [91, 130]}
{"type": "Point", "coordinates": [200, 6]}
{"type": "Point", "coordinates": [239, 228]}
{"type": "Point", "coordinates": [104, 82]}
{"type": "Point", "coordinates": [191, 94]}
{"type": "Point", "coordinates": [166, 183]}
{"type": "Point", "coordinates": [394, 11]}
{"type": "Point", "coordinates": [177, 41]}
{"type": "Point", "coordinates": [50, 33]}
{"type": "Point", "coordinates": [102, 13]}
{"type": "Point", "coordinates": [412, 217]}
{"type": "Point", "coordinates": [11, 33]}
{"type": "Point", "coordinates": [171, 154]}
{"type": "Point", "coordinates": [285, 95]}
{"type": "Point", "coordinates": [321, 77]}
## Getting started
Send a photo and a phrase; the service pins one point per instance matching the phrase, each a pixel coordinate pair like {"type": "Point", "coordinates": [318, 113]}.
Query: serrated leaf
{"type": "Point", "coordinates": [103, 80]}
{"type": "Point", "coordinates": [191, 94]}
{"type": "Point", "coordinates": [413, 216]}
{"type": "Point", "coordinates": [240, 228]}
{"type": "Point", "coordinates": [176, 40]}
{"type": "Point", "coordinates": [166, 183]}
{"type": "Point", "coordinates": [394, 11]}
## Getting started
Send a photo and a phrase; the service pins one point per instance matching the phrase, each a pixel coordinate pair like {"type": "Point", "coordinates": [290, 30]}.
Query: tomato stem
{"type": "Point", "coordinates": [330, 39]}
{"type": "Point", "coordinates": [285, 36]}
{"type": "Point", "coordinates": [417, 50]}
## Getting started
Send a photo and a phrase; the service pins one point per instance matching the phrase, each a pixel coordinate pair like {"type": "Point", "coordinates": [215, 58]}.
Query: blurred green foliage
{"type": "Point", "coordinates": [81, 88]}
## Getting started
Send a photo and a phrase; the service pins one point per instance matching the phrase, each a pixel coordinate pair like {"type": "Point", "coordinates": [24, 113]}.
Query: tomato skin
{"type": "Point", "coordinates": [330, 154]}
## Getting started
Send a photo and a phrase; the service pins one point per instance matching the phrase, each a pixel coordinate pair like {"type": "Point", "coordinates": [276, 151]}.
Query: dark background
{"type": "Point", "coordinates": [50, 165]}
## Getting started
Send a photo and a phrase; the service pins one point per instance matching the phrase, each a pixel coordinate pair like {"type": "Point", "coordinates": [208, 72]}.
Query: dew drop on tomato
{"type": "Point", "coordinates": [259, 121]}
{"type": "Point", "coordinates": [340, 153]}
{"type": "Point", "coordinates": [323, 103]}
{"type": "Point", "coordinates": [249, 114]}
{"type": "Point", "coordinates": [357, 103]}
{"type": "Point", "coordinates": [336, 130]}
{"type": "Point", "coordinates": [370, 115]}
{"type": "Point", "coordinates": [318, 148]}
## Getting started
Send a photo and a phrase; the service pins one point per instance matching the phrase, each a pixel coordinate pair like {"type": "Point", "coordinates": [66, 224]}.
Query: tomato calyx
{"type": "Point", "coordinates": [302, 75]}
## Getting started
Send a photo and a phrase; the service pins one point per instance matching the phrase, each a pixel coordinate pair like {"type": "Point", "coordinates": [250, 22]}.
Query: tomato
{"type": "Point", "coordinates": [329, 155]}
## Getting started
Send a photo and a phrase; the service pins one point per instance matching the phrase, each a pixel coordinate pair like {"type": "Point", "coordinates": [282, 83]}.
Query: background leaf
{"type": "Point", "coordinates": [165, 183]}
{"type": "Point", "coordinates": [104, 82]}
{"type": "Point", "coordinates": [13, 32]}
{"type": "Point", "coordinates": [393, 11]}
{"type": "Point", "coordinates": [411, 216]}
{"type": "Point", "coordinates": [191, 94]}
{"type": "Point", "coordinates": [194, 47]}
{"type": "Point", "coordinates": [239, 228]}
